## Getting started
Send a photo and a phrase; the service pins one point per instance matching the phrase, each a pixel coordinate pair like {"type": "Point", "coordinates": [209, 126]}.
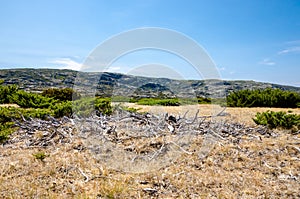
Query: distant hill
{"type": "Point", "coordinates": [107, 84]}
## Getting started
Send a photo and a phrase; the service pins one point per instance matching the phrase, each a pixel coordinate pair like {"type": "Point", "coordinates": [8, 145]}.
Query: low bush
{"type": "Point", "coordinates": [53, 102]}
{"type": "Point", "coordinates": [264, 98]}
{"type": "Point", "coordinates": [63, 109]}
{"type": "Point", "coordinates": [61, 94]}
{"type": "Point", "coordinates": [5, 130]}
{"type": "Point", "coordinates": [12, 94]}
{"type": "Point", "coordinates": [162, 102]}
{"type": "Point", "coordinates": [204, 100]}
{"type": "Point", "coordinates": [6, 93]}
{"type": "Point", "coordinates": [41, 155]}
{"type": "Point", "coordinates": [103, 105]}
{"type": "Point", "coordinates": [8, 115]}
{"type": "Point", "coordinates": [171, 101]}
{"type": "Point", "coordinates": [31, 100]}
{"type": "Point", "coordinates": [280, 119]}
{"type": "Point", "coordinates": [133, 100]}
{"type": "Point", "coordinates": [86, 106]}
{"type": "Point", "coordinates": [83, 107]}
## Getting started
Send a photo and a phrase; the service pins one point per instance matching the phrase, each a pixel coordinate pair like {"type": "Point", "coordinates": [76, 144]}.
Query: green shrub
{"type": "Point", "coordinates": [103, 105]}
{"type": "Point", "coordinates": [31, 100]}
{"type": "Point", "coordinates": [5, 130]}
{"type": "Point", "coordinates": [40, 155]}
{"type": "Point", "coordinates": [62, 94]}
{"type": "Point", "coordinates": [9, 114]}
{"type": "Point", "coordinates": [203, 100]}
{"type": "Point", "coordinates": [263, 98]}
{"type": "Point", "coordinates": [6, 93]}
{"type": "Point", "coordinates": [280, 119]}
{"type": "Point", "coordinates": [62, 109]}
{"type": "Point", "coordinates": [133, 100]}
{"type": "Point", "coordinates": [170, 101]}
{"type": "Point", "coordinates": [162, 102]}
{"type": "Point", "coordinates": [11, 94]}
{"type": "Point", "coordinates": [85, 106]}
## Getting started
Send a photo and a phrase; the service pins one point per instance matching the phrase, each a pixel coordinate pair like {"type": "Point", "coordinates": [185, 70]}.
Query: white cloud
{"type": "Point", "coordinates": [294, 49]}
{"type": "Point", "coordinates": [114, 69]}
{"type": "Point", "coordinates": [267, 62]}
{"type": "Point", "coordinates": [67, 63]}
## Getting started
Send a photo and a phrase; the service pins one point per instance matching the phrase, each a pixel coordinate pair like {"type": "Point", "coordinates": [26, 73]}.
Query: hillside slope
{"type": "Point", "coordinates": [126, 85]}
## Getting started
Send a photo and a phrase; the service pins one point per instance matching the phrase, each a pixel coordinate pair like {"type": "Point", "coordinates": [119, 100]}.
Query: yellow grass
{"type": "Point", "coordinates": [241, 115]}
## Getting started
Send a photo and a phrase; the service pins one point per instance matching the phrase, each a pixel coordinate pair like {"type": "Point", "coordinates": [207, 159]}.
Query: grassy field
{"type": "Point", "coordinates": [256, 166]}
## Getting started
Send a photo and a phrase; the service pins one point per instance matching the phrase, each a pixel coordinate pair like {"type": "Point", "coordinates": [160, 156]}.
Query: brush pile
{"type": "Point", "coordinates": [132, 141]}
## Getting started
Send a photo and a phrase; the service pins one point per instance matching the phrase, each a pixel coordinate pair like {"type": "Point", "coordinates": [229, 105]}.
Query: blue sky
{"type": "Point", "coordinates": [257, 40]}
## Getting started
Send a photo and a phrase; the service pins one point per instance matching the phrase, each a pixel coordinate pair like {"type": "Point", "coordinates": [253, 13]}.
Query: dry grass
{"type": "Point", "coordinates": [10, 105]}
{"type": "Point", "coordinates": [252, 167]}
{"type": "Point", "coordinates": [245, 115]}
{"type": "Point", "coordinates": [240, 115]}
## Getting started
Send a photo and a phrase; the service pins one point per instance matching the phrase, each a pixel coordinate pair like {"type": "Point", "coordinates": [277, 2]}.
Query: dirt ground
{"type": "Point", "coordinates": [252, 166]}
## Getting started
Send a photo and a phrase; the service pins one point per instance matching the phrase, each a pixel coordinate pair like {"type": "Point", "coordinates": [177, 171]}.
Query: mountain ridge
{"type": "Point", "coordinates": [117, 84]}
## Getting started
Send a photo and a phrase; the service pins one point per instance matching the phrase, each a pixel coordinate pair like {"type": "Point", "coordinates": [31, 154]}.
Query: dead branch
{"type": "Point", "coordinates": [86, 178]}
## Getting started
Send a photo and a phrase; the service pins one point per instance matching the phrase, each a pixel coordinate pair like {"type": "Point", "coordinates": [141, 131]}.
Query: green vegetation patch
{"type": "Point", "coordinates": [85, 106]}
{"type": "Point", "coordinates": [161, 102]}
{"type": "Point", "coordinates": [171, 101]}
{"type": "Point", "coordinates": [280, 119]}
{"type": "Point", "coordinates": [264, 98]}
{"type": "Point", "coordinates": [8, 115]}
{"type": "Point", "coordinates": [6, 93]}
{"type": "Point", "coordinates": [5, 130]}
{"type": "Point", "coordinates": [41, 155]}
{"type": "Point", "coordinates": [31, 100]}
{"type": "Point", "coordinates": [52, 102]}
{"type": "Point", "coordinates": [63, 94]}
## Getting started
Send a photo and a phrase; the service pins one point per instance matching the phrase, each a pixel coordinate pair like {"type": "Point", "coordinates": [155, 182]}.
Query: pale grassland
{"type": "Point", "coordinates": [241, 115]}
{"type": "Point", "coordinates": [9, 105]}
{"type": "Point", "coordinates": [254, 167]}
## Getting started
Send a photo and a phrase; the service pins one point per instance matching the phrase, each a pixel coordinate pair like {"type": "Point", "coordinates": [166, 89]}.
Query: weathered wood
{"type": "Point", "coordinates": [145, 137]}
